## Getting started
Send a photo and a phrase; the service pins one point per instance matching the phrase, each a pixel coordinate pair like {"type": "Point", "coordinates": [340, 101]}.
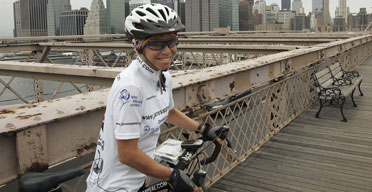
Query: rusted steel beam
{"type": "Point", "coordinates": [16, 48]}
{"type": "Point", "coordinates": [109, 36]}
{"type": "Point", "coordinates": [66, 73]}
{"type": "Point", "coordinates": [181, 47]}
{"type": "Point", "coordinates": [258, 41]}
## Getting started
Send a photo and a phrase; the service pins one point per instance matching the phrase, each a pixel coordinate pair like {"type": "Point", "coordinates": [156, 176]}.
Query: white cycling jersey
{"type": "Point", "coordinates": [135, 109]}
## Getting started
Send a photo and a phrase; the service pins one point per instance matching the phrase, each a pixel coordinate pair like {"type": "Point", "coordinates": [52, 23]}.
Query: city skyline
{"type": "Point", "coordinates": [7, 20]}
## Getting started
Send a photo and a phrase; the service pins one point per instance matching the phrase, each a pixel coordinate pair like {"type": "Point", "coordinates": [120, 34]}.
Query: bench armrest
{"type": "Point", "coordinates": [351, 74]}
{"type": "Point", "coordinates": [330, 92]}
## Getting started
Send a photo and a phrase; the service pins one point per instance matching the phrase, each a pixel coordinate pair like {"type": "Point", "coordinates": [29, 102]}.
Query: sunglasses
{"type": "Point", "coordinates": [158, 45]}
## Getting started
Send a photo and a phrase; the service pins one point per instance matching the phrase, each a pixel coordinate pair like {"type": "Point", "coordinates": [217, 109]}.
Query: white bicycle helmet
{"type": "Point", "coordinates": [152, 19]}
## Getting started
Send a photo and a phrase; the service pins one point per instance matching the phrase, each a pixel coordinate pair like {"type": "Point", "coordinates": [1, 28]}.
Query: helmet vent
{"type": "Point", "coordinates": [140, 13]}
{"type": "Point", "coordinates": [152, 12]}
{"type": "Point", "coordinates": [166, 8]}
{"type": "Point", "coordinates": [162, 14]}
{"type": "Point", "coordinates": [138, 26]}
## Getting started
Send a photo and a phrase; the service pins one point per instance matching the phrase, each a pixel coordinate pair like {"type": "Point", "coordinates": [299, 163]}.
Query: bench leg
{"type": "Point", "coordinates": [320, 108]}
{"type": "Point", "coordinates": [360, 91]}
{"type": "Point", "coordinates": [342, 110]}
{"type": "Point", "coordinates": [352, 98]}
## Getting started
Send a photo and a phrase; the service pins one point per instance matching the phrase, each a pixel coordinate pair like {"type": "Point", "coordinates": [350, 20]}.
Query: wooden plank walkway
{"type": "Point", "coordinates": [314, 154]}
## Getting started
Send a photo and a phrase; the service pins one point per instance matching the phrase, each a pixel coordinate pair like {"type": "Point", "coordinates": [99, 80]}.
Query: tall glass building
{"type": "Point", "coordinates": [55, 8]}
{"type": "Point", "coordinates": [30, 18]}
{"type": "Point", "coordinates": [116, 13]}
{"type": "Point", "coordinates": [286, 5]}
{"type": "Point", "coordinates": [296, 6]}
{"type": "Point", "coordinates": [201, 15]}
{"type": "Point", "coordinates": [135, 3]}
{"type": "Point", "coordinates": [73, 21]}
{"type": "Point", "coordinates": [246, 15]}
{"type": "Point", "coordinates": [229, 14]}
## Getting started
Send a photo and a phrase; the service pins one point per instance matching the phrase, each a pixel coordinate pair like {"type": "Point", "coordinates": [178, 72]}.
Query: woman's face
{"type": "Point", "coordinates": [163, 58]}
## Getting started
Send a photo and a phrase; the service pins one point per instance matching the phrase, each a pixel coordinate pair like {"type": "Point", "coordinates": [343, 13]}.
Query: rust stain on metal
{"type": "Point", "coordinates": [232, 85]}
{"type": "Point", "coordinates": [2, 117]}
{"type": "Point", "coordinates": [37, 167]}
{"type": "Point", "coordinates": [27, 116]}
{"type": "Point", "coordinates": [6, 111]}
{"type": "Point", "coordinates": [9, 125]}
{"type": "Point", "coordinates": [27, 106]}
{"type": "Point", "coordinates": [80, 108]}
{"type": "Point", "coordinates": [86, 147]}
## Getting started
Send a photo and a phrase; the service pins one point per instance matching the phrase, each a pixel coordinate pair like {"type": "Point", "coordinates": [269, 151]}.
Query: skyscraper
{"type": "Point", "coordinates": [285, 18]}
{"type": "Point", "coordinates": [96, 21]}
{"type": "Point", "coordinates": [246, 15]}
{"type": "Point", "coordinates": [342, 10]}
{"type": "Point", "coordinates": [115, 16]}
{"type": "Point", "coordinates": [201, 15]}
{"type": "Point", "coordinates": [30, 17]}
{"type": "Point", "coordinates": [296, 6]}
{"type": "Point", "coordinates": [135, 3]}
{"type": "Point", "coordinates": [229, 14]}
{"type": "Point", "coordinates": [260, 6]}
{"type": "Point", "coordinates": [55, 7]}
{"type": "Point", "coordinates": [326, 14]}
{"type": "Point", "coordinates": [317, 5]}
{"type": "Point", "coordinates": [170, 3]}
{"type": "Point", "coordinates": [286, 5]}
{"type": "Point", "coordinates": [73, 21]}
{"type": "Point", "coordinates": [17, 18]}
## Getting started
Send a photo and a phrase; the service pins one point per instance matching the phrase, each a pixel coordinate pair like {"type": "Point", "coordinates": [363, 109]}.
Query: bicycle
{"type": "Point", "coordinates": [32, 182]}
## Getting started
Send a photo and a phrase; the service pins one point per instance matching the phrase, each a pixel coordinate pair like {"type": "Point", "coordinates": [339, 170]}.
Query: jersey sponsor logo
{"type": "Point", "coordinates": [156, 187]}
{"type": "Point", "coordinates": [157, 113]}
{"type": "Point", "coordinates": [135, 102]}
{"type": "Point", "coordinates": [124, 97]}
{"type": "Point", "coordinates": [150, 130]}
{"type": "Point", "coordinates": [162, 120]}
{"type": "Point", "coordinates": [129, 123]}
{"type": "Point", "coordinates": [145, 66]}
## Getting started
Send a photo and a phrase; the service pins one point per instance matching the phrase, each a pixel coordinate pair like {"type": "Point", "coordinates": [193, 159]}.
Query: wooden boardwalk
{"type": "Point", "coordinates": [313, 154]}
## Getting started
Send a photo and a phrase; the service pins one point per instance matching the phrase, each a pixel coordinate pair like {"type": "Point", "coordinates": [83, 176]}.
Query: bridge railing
{"type": "Point", "coordinates": [117, 55]}
{"type": "Point", "coordinates": [44, 134]}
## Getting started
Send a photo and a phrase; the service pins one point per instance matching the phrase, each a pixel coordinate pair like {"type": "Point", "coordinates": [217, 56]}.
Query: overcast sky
{"type": "Point", "coordinates": [7, 21]}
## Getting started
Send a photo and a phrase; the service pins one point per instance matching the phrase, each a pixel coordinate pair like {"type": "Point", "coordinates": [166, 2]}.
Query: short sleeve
{"type": "Point", "coordinates": [127, 113]}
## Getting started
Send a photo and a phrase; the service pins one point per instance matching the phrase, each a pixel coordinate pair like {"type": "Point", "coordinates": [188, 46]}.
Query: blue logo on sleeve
{"type": "Point", "coordinates": [124, 97]}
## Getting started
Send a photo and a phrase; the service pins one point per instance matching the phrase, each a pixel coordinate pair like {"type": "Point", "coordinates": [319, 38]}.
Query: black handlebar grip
{"type": "Point", "coordinates": [217, 149]}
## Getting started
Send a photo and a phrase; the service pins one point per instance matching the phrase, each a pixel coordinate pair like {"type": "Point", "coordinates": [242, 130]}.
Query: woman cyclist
{"type": "Point", "coordinates": [140, 100]}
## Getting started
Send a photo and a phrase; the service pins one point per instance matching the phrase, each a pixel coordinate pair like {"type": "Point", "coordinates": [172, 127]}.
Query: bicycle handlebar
{"type": "Point", "coordinates": [199, 176]}
{"type": "Point", "coordinates": [222, 134]}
